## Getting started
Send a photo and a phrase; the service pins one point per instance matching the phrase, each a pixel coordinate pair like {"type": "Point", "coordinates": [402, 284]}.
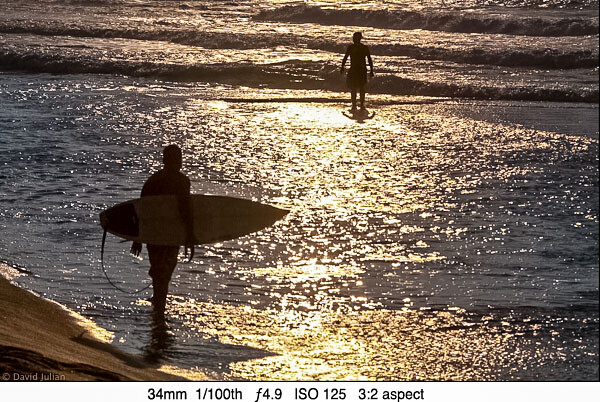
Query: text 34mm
{"type": "Point", "coordinates": [164, 395]}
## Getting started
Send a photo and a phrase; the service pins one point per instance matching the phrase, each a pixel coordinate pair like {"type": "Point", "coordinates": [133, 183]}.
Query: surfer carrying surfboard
{"type": "Point", "coordinates": [163, 259]}
{"type": "Point", "coordinates": [357, 74]}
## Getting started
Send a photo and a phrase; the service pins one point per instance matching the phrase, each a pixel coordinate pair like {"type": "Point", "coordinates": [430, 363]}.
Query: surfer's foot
{"type": "Point", "coordinates": [159, 321]}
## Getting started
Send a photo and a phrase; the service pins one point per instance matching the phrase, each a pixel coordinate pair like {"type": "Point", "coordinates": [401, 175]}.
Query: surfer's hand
{"type": "Point", "coordinates": [190, 241]}
{"type": "Point", "coordinates": [189, 245]}
{"type": "Point", "coordinates": [136, 249]}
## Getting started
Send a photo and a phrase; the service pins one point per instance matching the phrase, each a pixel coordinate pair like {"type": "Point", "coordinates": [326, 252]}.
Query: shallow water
{"type": "Point", "coordinates": [439, 240]}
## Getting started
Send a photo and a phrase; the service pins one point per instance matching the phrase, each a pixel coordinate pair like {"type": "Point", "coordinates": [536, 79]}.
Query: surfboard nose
{"type": "Point", "coordinates": [280, 213]}
{"type": "Point", "coordinates": [272, 213]}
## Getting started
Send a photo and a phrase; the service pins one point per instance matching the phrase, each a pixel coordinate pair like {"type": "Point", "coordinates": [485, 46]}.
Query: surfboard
{"type": "Point", "coordinates": [157, 220]}
{"type": "Point", "coordinates": [359, 114]}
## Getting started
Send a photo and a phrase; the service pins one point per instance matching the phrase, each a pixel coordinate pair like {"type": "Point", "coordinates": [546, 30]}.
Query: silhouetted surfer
{"type": "Point", "coordinates": [163, 259]}
{"type": "Point", "coordinates": [357, 74]}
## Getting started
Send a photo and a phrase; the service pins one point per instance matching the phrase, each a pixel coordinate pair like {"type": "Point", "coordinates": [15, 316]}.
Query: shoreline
{"type": "Point", "coordinates": [39, 341]}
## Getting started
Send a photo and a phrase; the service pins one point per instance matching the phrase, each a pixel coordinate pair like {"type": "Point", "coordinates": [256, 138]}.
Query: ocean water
{"type": "Point", "coordinates": [452, 236]}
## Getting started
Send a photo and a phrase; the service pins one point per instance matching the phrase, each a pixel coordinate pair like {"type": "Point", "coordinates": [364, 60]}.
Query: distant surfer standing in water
{"type": "Point", "coordinates": [357, 74]}
{"type": "Point", "coordinates": [163, 259]}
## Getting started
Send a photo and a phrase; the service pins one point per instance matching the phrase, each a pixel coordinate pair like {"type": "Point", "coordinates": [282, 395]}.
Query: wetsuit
{"type": "Point", "coordinates": [163, 259]}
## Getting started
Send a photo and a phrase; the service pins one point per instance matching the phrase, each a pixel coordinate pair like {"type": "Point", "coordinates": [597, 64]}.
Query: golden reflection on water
{"type": "Point", "coordinates": [343, 165]}
{"type": "Point", "coordinates": [305, 271]}
{"type": "Point", "coordinates": [316, 116]}
{"type": "Point", "coordinates": [399, 253]}
{"type": "Point", "coordinates": [356, 345]}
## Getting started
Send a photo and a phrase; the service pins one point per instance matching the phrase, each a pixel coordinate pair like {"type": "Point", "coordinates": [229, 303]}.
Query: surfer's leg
{"type": "Point", "coordinates": [159, 298]}
{"type": "Point", "coordinates": [351, 83]}
{"type": "Point", "coordinates": [362, 83]}
{"type": "Point", "coordinates": [362, 97]}
{"type": "Point", "coordinates": [162, 264]}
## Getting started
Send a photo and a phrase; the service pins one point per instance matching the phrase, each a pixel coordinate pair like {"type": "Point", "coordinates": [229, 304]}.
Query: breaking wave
{"type": "Point", "coordinates": [289, 75]}
{"type": "Point", "coordinates": [447, 21]}
{"type": "Point", "coordinates": [540, 58]}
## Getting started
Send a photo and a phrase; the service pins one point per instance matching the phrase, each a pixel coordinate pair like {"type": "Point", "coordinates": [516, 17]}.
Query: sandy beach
{"type": "Point", "coordinates": [39, 341]}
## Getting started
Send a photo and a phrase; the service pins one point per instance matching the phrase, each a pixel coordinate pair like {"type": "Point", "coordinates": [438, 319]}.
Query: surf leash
{"type": "Point", "coordinates": [106, 274]}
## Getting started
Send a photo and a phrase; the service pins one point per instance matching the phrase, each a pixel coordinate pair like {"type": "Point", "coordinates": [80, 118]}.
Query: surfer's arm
{"type": "Point", "coordinates": [185, 209]}
{"type": "Point", "coordinates": [370, 62]}
{"type": "Point", "coordinates": [136, 248]}
{"type": "Point", "coordinates": [187, 214]}
{"type": "Point", "coordinates": [345, 59]}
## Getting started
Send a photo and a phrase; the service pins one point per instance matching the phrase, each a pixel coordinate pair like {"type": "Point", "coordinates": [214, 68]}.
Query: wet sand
{"type": "Point", "coordinates": [39, 341]}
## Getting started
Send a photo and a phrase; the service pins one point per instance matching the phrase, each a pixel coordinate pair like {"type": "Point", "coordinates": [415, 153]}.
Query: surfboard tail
{"type": "Point", "coordinates": [121, 219]}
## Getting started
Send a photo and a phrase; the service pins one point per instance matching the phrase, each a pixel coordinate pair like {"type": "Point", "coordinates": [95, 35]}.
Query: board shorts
{"type": "Point", "coordinates": [356, 78]}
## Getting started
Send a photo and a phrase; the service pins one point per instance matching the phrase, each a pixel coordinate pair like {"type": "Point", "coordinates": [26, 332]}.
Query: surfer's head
{"type": "Point", "coordinates": [172, 157]}
{"type": "Point", "coordinates": [357, 37]}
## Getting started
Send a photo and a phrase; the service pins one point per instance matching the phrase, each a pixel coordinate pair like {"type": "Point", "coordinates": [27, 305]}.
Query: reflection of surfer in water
{"type": "Point", "coordinates": [357, 74]}
{"type": "Point", "coordinates": [163, 259]}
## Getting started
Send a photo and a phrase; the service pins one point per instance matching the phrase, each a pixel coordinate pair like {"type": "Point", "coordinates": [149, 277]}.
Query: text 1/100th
{"type": "Point", "coordinates": [219, 394]}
